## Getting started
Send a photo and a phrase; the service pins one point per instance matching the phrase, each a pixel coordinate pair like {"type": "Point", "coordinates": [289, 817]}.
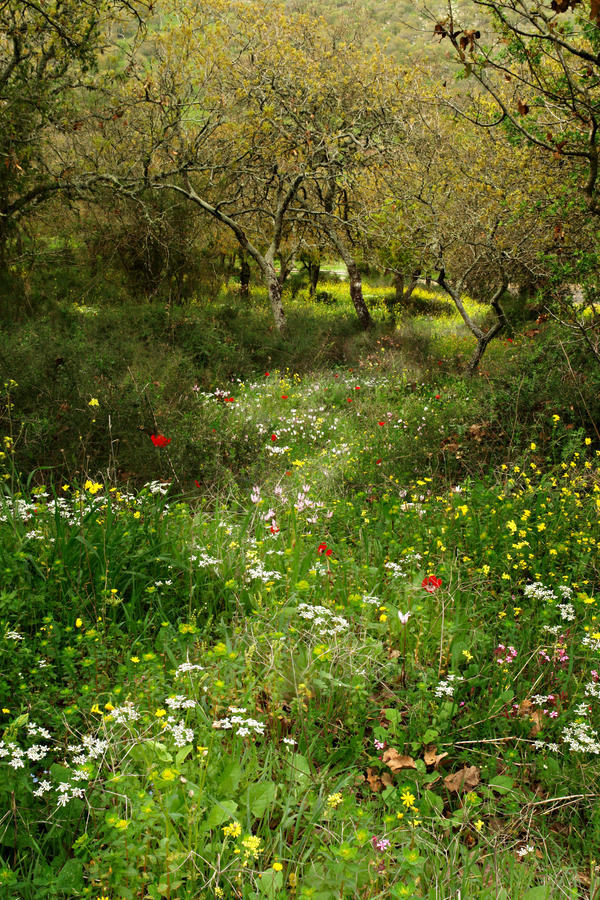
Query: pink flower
{"type": "Point", "coordinates": [380, 843]}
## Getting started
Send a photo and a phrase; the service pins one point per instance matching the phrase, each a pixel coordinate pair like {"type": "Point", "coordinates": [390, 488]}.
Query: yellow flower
{"type": "Point", "coordinates": [467, 655]}
{"type": "Point", "coordinates": [334, 800]}
{"type": "Point", "coordinates": [93, 402]}
{"type": "Point", "coordinates": [277, 866]}
{"type": "Point", "coordinates": [78, 623]}
{"type": "Point", "coordinates": [160, 713]}
{"type": "Point", "coordinates": [478, 824]}
{"type": "Point", "coordinates": [252, 846]}
{"type": "Point", "coordinates": [234, 829]}
{"type": "Point", "coordinates": [135, 659]}
{"type": "Point", "coordinates": [407, 798]}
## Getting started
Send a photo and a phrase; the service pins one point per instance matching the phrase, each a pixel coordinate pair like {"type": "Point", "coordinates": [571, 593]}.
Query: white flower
{"type": "Point", "coordinates": [404, 617]}
{"type": "Point", "coordinates": [188, 667]}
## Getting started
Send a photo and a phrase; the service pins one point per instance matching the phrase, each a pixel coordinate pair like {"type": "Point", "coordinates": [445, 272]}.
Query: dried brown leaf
{"type": "Point", "coordinates": [396, 761]}
{"type": "Point", "coordinates": [374, 780]}
{"type": "Point", "coordinates": [466, 779]}
{"type": "Point", "coordinates": [431, 757]}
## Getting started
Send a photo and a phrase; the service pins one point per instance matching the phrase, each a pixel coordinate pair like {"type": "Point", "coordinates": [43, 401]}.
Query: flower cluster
{"type": "Point", "coordinates": [447, 687]}
{"type": "Point", "coordinates": [326, 622]}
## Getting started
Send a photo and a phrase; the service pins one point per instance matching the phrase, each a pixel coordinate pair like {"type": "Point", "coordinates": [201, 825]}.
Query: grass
{"type": "Point", "coordinates": [359, 659]}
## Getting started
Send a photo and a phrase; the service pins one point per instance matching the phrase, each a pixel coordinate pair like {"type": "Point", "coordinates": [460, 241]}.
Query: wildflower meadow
{"type": "Point", "coordinates": [351, 666]}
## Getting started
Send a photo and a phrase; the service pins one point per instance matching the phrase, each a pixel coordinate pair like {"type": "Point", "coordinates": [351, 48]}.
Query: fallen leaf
{"type": "Point", "coordinates": [374, 780]}
{"type": "Point", "coordinates": [466, 779]}
{"type": "Point", "coordinates": [396, 761]}
{"type": "Point", "coordinates": [431, 757]}
{"type": "Point", "coordinates": [528, 710]}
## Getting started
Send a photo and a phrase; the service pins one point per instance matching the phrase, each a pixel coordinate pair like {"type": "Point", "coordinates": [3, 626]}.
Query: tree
{"type": "Point", "coordinates": [48, 53]}
{"type": "Point", "coordinates": [247, 112]}
{"type": "Point", "coordinates": [473, 208]}
{"type": "Point", "coordinates": [539, 62]}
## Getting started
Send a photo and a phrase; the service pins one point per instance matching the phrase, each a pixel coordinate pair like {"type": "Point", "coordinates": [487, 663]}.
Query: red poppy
{"type": "Point", "coordinates": [284, 396]}
{"type": "Point", "coordinates": [159, 440]}
{"type": "Point", "coordinates": [197, 483]}
{"type": "Point", "coordinates": [266, 374]}
{"type": "Point", "coordinates": [274, 530]}
{"type": "Point", "coordinates": [357, 387]}
{"type": "Point", "coordinates": [377, 462]}
{"type": "Point", "coordinates": [273, 437]}
{"type": "Point", "coordinates": [438, 396]}
{"type": "Point", "coordinates": [323, 548]}
{"type": "Point", "coordinates": [431, 584]}
{"type": "Point", "coordinates": [381, 423]}
{"type": "Point", "coordinates": [349, 399]}
{"type": "Point", "coordinates": [229, 400]}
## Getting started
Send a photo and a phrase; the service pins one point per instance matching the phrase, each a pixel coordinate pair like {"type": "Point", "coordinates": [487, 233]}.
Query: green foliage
{"type": "Point", "coordinates": [224, 675]}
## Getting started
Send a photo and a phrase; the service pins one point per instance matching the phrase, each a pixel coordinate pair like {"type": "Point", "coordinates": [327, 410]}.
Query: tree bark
{"type": "Point", "coordinates": [483, 337]}
{"type": "Point", "coordinates": [356, 292]}
{"type": "Point", "coordinates": [356, 295]}
{"type": "Point", "coordinates": [274, 287]}
{"type": "Point", "coordinates": [399, 287]}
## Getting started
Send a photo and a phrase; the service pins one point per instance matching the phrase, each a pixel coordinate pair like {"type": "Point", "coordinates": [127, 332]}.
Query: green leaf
{"type": "Point", "coordinates": [271, 883]}
{"type": "Point", "coordinates": [433, 801]}
{"type": "Point", "coordinates": [299, 768]}
{"type": "Point", "coordinates": [502, 784]}
{"type": "Point", "coordinates": [182, 755]}
{"type": "Point", "coordinates": [220, 813]}
{"type": "Point", "coordinates": [70, 878]}
{"type": "Point", "coordinates": [230, 778]}
{"type": "Point", "coordinates": [260, 796]}
{"type": "Point", "coordinates": [542, 892]}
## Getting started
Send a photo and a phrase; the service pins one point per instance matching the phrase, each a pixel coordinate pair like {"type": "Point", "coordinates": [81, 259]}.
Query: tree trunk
{"type": "Point", "coordinates": [399, 287]}
{"type": "Point", "coordinates": [314, 270]}
{"type": "Point", "coordinates": [473, 364]}
{"type": "Point", "coordinates": [275, 299]}
{"type": "Point", "coordinates": [356, 295]}
{"type": "Point", "coordinates": [244, 276]}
